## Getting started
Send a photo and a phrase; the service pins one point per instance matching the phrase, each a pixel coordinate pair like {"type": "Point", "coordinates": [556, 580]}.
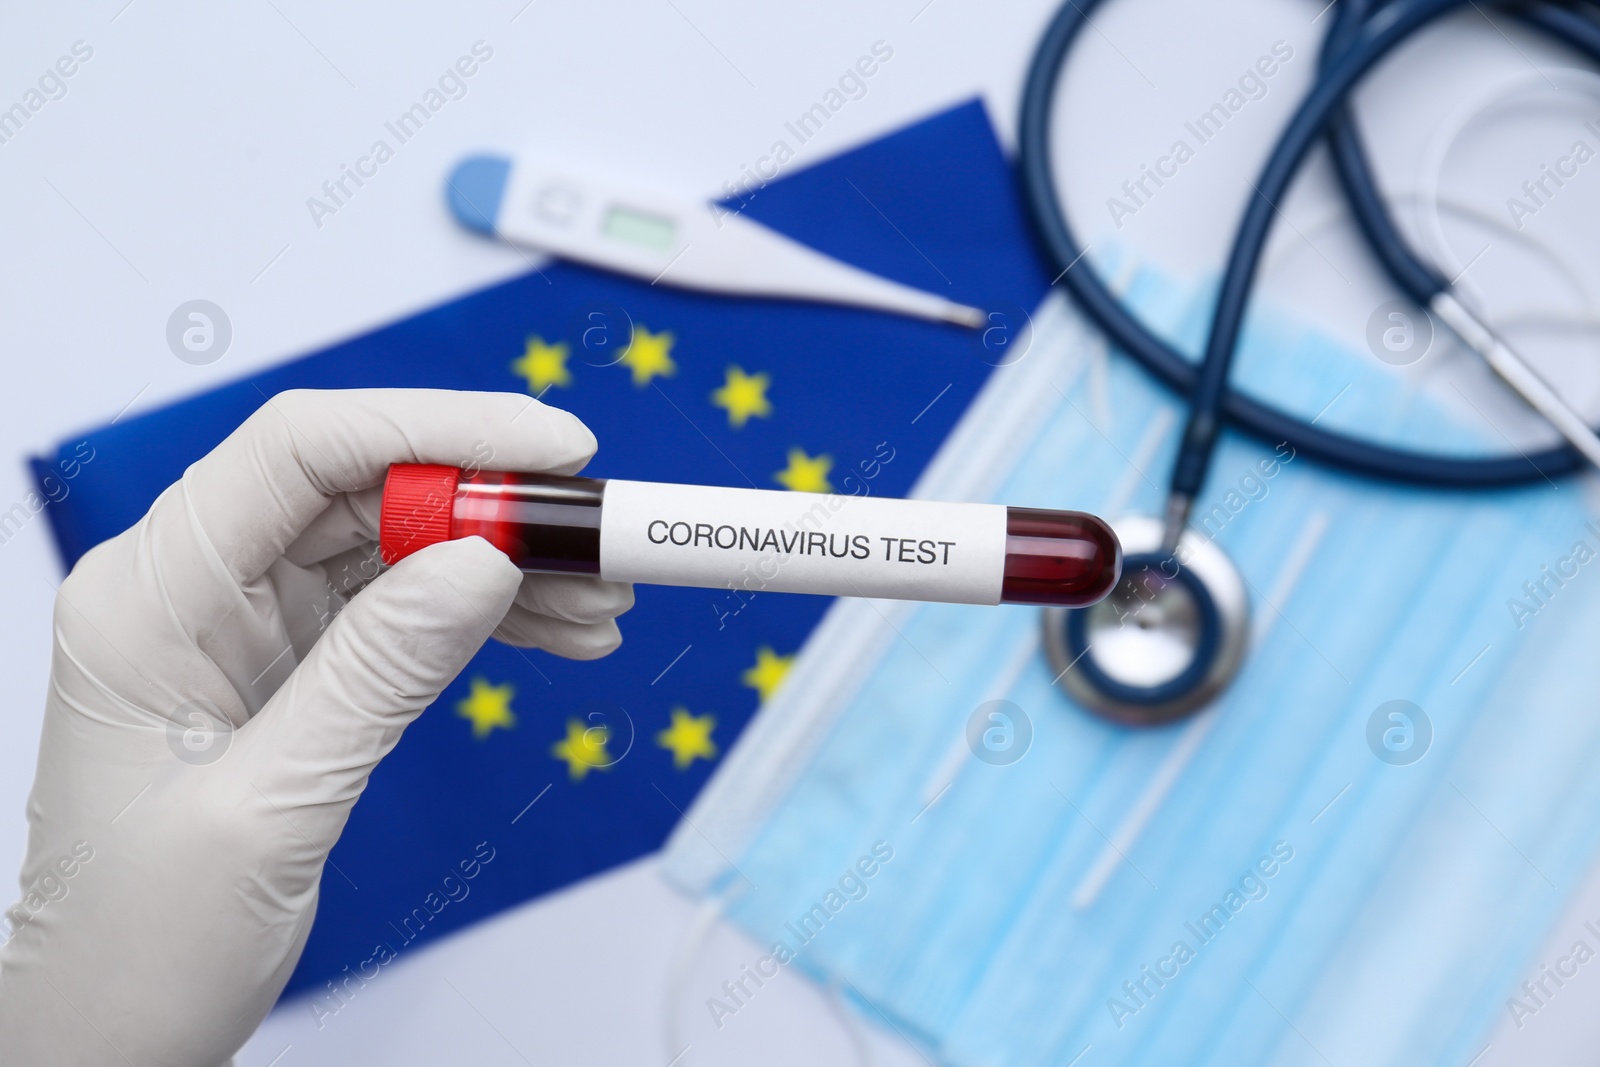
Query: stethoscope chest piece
{"type": "Point", "coordinates": [1166, 641]}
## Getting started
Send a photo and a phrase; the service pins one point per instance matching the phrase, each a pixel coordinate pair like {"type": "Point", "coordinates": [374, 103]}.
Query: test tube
{"type": "Point", "coordinates": [756, 540]}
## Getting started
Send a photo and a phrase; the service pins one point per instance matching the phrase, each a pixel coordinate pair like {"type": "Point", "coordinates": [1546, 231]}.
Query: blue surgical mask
{"type": "Point", "coordinates": [1353, 855]}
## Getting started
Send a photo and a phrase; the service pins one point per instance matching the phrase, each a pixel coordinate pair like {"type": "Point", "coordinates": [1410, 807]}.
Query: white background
{"type": "Point", "coordinates": [179, 163]}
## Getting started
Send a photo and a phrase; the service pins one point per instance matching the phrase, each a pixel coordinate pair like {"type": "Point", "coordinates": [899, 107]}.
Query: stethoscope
{"type": "Point", "coordinates": [1173, 634]}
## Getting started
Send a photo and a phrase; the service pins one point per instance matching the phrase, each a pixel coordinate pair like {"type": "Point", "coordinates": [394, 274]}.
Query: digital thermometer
{"type": "Point", "coordinates": [668, 240]}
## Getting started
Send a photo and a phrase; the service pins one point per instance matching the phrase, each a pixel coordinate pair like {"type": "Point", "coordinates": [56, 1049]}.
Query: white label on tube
{"type": "Point", "coordinates": [757, 540]}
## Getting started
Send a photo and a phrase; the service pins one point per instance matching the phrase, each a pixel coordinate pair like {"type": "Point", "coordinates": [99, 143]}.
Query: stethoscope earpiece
{"type": "Point", "coordinates": [1166, 641]}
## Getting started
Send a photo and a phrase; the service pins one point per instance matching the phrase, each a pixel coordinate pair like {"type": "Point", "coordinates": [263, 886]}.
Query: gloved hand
{"type": "Point", "coordinates": [168, 893]}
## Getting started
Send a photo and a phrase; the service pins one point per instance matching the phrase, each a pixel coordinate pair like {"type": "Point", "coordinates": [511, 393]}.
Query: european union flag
{"type": "Point", "coordinates": [533, 771]}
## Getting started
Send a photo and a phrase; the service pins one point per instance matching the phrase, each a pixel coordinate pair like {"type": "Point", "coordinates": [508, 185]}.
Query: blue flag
{"type": "Point", "coordinates": [503, 791]}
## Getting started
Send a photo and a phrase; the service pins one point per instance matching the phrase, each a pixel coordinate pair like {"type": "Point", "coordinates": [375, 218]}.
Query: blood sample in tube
{"type": "Point", "coordinates": [756, 540]}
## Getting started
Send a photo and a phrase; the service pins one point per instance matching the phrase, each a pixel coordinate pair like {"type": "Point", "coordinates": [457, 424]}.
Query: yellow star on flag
{"type": "Point", "coordinates": [649, 355]}
{"type": "Point", "coordinates": [742, 396]}
{"type": "Point", "coordinates": [488, 706]}
{"type": "Point", "coordinates": [583, 749]}
{"type": "Point", "coordinates": [543, 365]}
{"type": "Point", "coordinates": [689, 736]}
{"type": "Point", "coordinates": [768, 673]}
{"type": "Point", "coordinates": [806, 474]}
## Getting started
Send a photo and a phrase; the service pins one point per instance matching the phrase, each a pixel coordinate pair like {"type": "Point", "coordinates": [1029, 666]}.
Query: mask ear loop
{"type": "Point", "coordinates": [850, 1021]}
{"type": "Point", "coordinates": [692, 945]}
{"type": "Point", "coordinates": [1502, 94]}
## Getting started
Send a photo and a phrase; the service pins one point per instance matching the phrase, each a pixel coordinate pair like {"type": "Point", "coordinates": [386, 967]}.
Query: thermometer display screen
{"type": "Point", "coordinates": [638, 228]}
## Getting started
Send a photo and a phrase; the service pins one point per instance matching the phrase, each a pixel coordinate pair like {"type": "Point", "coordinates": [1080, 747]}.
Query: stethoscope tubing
{"type": "Point", "coordinates": [1356, 44]}
{"type": "Point", "coordinates": [1419, 280]}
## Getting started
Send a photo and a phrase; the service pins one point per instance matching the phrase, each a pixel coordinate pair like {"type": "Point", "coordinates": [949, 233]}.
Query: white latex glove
{"type": "Point", "coordinates": [167, 898]}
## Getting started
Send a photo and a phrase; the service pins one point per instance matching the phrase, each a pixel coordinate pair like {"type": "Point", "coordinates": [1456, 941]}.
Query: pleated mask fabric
{"type": "Point", "coordinates": [1295, 876]}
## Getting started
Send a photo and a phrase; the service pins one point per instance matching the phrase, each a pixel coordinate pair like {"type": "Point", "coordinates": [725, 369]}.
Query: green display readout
{"type": "Point", "coordinates": [635, 227]}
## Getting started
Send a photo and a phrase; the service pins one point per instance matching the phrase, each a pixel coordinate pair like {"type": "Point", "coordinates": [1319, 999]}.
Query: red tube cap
{"type": "Point", "coordinates": [418, 499]}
